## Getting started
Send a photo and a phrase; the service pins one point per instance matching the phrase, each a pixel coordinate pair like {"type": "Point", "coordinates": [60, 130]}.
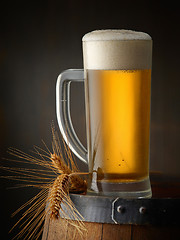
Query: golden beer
{"type": "Point", "coordinates": [117, 67]}
{"type": "Point", "coordinates": [119, 119]}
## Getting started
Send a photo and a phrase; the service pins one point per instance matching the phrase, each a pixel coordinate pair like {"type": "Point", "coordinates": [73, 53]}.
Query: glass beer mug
{"type": "Point", "coordinates": [117, 79]}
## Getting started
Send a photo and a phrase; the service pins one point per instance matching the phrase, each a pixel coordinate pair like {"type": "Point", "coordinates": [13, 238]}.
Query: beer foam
{"type": "Point", "coordinates": [117, 49]}
{"type": "Point", "coordinates": [108, 35]}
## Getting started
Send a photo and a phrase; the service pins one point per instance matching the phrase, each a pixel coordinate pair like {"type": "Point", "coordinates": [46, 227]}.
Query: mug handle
{"type": "Point", "coordinates": [63, 111]}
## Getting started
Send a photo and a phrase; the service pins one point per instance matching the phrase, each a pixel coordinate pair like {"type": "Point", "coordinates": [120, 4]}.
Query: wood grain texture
{"type": "Point", "coordinates": [94, 232]}
{"type": "Point", "coordinates": [58, 230]}
{"type": "Point", "coordinates": [116, 232]}
{"type": "Point", "coordinates": [61, 230]}
{"type": "Point", "coordinates": [55, 229]}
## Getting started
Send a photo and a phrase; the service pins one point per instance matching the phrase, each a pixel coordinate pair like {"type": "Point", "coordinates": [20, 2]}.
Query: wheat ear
{"type": "Point", "coordinates": [58, 192]}
{"type": "Point", "coordinates": [56, 178]}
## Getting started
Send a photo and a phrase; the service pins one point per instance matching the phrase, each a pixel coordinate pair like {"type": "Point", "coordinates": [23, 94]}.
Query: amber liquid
{"type": "Point", "coordinates": [118, 124]}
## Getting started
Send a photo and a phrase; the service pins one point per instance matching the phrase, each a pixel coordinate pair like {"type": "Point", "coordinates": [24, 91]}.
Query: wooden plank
{"type": "Point", "coordinates": [56, 229]}
{"type": "Point", "coordinates": [61, 229]}
{"type": "Point", "coordinates": [116, 232]}
{"type": "Point", "coordinates": [94, 232]}
{"type": "Point", "coordinates": [155, 232]}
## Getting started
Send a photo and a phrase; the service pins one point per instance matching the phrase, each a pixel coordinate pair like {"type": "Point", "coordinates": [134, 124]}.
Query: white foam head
{"type": "Point", "coordinates": [117, 49]}
{"type": "Point", "coordinates": [108, 35]}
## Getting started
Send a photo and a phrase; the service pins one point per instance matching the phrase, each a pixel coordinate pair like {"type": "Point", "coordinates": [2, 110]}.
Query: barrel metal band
{"type": "Point", "coordinates": [146, 211]}
{"type": "Point", "coordinates": [113, 210]}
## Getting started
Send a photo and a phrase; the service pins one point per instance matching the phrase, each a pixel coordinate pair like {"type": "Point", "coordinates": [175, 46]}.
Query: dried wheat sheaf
{"type": "Point", "coordinates": [56, 175]}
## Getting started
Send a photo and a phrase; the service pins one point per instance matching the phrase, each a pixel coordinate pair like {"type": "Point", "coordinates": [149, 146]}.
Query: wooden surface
{"type": "Point", "coordinates": [98, 231]}
{"type": "Point", "coordinates": [162, 187]}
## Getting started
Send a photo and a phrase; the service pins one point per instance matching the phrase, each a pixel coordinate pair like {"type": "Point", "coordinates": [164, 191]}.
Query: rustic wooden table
{"type": "Point", "coordinates": [151, 226]}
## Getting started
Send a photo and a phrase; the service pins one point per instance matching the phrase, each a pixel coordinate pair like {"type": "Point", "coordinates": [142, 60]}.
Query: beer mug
{"type": "Point", "coordinates": [117, 80]}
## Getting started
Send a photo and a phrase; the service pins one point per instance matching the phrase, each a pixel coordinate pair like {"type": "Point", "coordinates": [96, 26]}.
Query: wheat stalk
{"type": "Point", "coordinates": [56, 177]}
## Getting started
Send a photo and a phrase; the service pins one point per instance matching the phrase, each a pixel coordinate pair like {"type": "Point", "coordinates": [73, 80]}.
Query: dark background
{"type": "Point", "coordinates": [39, 39]}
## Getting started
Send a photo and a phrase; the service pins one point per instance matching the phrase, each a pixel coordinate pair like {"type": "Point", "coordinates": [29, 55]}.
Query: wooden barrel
{"type": "Point", "coordinates": [111, 218]}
